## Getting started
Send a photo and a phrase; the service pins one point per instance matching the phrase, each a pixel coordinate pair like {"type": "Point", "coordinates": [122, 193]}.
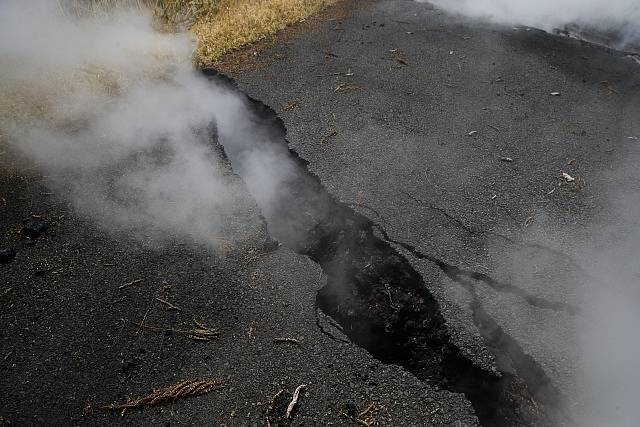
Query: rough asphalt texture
{"type": "Point", "coordinates": [392, 139]}
{"type": "Point", "coordinates": [445, 133]}
{"type": "Point", "coordinates": [71, 340]}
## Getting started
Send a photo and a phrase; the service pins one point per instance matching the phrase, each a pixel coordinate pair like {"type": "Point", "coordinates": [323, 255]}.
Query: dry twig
{"type": "Point", "coordinates": [134, 282]}
{"type": "Point", "coordinates": [199, 333]}
{"type": "Point", "coordinates": [290, 105]}
{"type": "Point", "coordinates": [181, 389]}
{"type": "Point", "coordinates": [331, 134]}
{"type": "Point", "coordinates": [294, 400]}
{"type": "Point", "coordinates": [169, 305]}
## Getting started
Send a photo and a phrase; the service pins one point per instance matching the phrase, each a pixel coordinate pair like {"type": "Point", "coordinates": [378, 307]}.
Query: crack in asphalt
{"type": "Point", "coordinates": [474, 231]}
{"type": "Point", "coordinates": [382, 303]}
{"type": "Point", "coordinates": [456, 274]}
{"type": "Point", "coordinates": [317, 309]}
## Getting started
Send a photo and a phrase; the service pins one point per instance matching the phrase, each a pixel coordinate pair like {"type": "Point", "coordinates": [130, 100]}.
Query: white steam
{"type": "Point", "coordinates": [620, 16]}
{"type": "Point", "coordinates": [115, 111]}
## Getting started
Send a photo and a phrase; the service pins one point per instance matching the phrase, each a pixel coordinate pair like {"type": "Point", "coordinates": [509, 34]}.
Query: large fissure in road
{"type": "Point", "coordinates": [382, 303]}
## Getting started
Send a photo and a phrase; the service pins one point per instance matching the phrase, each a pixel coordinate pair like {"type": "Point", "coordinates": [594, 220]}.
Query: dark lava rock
{"type": "Point", "coordinates": [34, 228]}
{"type": "Point", "coordinates": [7, 255]}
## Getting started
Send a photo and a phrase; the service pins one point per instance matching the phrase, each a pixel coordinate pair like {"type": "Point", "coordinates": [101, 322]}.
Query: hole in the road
{"type": "Point", "coordinates": [383, 305]}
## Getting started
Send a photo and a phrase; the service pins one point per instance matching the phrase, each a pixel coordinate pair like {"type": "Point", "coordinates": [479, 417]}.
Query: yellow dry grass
{"type": "Point", "coordinates": [221, 26]}
{"type": "Point", "coordinates": [236, 23]}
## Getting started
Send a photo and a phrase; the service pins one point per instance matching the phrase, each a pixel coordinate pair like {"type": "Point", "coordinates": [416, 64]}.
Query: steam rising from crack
{"type": "Point", "coordinates": [114, 111]}
{"type": "Point", "coordinates": [620, 18]}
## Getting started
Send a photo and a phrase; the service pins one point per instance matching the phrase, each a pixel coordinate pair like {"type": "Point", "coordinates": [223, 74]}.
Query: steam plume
{"type": "Point", "coordinates": [619, 16]}
{"type": "Point", "coordinates": [115, 111]}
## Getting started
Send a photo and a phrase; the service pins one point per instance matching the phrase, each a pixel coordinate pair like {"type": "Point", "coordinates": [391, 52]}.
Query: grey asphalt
{"type": "Point", "coordinates": [446, 133]}
{"type": "Point", "coordinates": [415, 131]}
{"type": "Point", "coordinates": [91, 317]}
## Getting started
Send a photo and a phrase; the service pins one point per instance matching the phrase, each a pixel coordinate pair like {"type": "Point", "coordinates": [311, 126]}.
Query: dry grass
{"type": "Point", "coordinates": [221, 26]}
{"type": "Point", "coordinates": [239, 22]}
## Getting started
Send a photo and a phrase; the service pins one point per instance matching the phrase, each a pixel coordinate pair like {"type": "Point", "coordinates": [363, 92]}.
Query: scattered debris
{"type": "Point", "coordinates": [555, 93]}
{"type": "Point", "coordinates": [568, 177]}
{"type": "Point", "coordinates": [169, 305]}
{"type": "Point", "coordinates": [390, 299]}
{"type": "Point", "coordinates": [607, 85]}
{"type": "Point", "coordinates": [528, 221]}
{"type": "Point", "coordinates": [473, 132]}
{"type": "Point", "coordinates": [506, 159]}
{"type": "Point", "coordinates": [327, 137]}
{"type": "Point", "coordinates": [133, 282]}
{"type": "Point", "coordinates": [7, 255]}
{"type": "Point", "coordinates": [199, 333]}
{"type": "Point", "coordinates": [251, 331]}
{"type": "Point", "coordinates": [34, 228]}
{"type": "Point", "coordinates": [397, 55]}
{"type": "Point", "coordinates": [367, 417]}
{"type": "Point", "coordinates": [328, 53]}
{"type": "Point", "coordinates": [161, 396]}
{"type": "Point", "coordinates": [287, 340]}
{"type": "Point", "coordinates": [290, 105]}
{"type": "Point", "coordinates": [294, 400]}
{"type": "Point", "coordinates": [572, 161]}
{"type": "Point", "coordinates": [344, 87]}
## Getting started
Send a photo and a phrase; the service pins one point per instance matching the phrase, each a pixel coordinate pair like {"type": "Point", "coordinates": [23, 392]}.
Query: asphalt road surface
{"type": "Point", "coordinates": [444, 150]}
{"type": "Point", "coordinates": [454, 137]}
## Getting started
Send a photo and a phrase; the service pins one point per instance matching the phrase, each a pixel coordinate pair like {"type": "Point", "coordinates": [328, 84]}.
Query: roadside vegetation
{"type": "Point", "coordinates": [220, 26]}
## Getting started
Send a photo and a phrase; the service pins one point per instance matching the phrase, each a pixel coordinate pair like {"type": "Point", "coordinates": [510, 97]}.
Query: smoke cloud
{"type": "Point", "coordinates": [619, 16]}
{"type": "Point", "coordinates": [115, 112]}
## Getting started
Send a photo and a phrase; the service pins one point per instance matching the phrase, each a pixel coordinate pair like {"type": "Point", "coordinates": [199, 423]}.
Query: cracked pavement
{"type": "Point", "coordinates": [444, 133]}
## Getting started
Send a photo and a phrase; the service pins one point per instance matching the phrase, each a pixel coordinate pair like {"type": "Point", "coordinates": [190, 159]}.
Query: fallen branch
{"type": "Point", "coordinates": [294, 400]}
{"type": "Point", "coordinates": [158, 397]}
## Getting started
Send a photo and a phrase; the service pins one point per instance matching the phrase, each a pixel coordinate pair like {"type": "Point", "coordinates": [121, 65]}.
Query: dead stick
{"type": "Point", "coordinates": [294, 400]}
{"type": "Point", "coordinates": [126, 285]}
{"type": "Point", "coordinates": [168, 304]}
